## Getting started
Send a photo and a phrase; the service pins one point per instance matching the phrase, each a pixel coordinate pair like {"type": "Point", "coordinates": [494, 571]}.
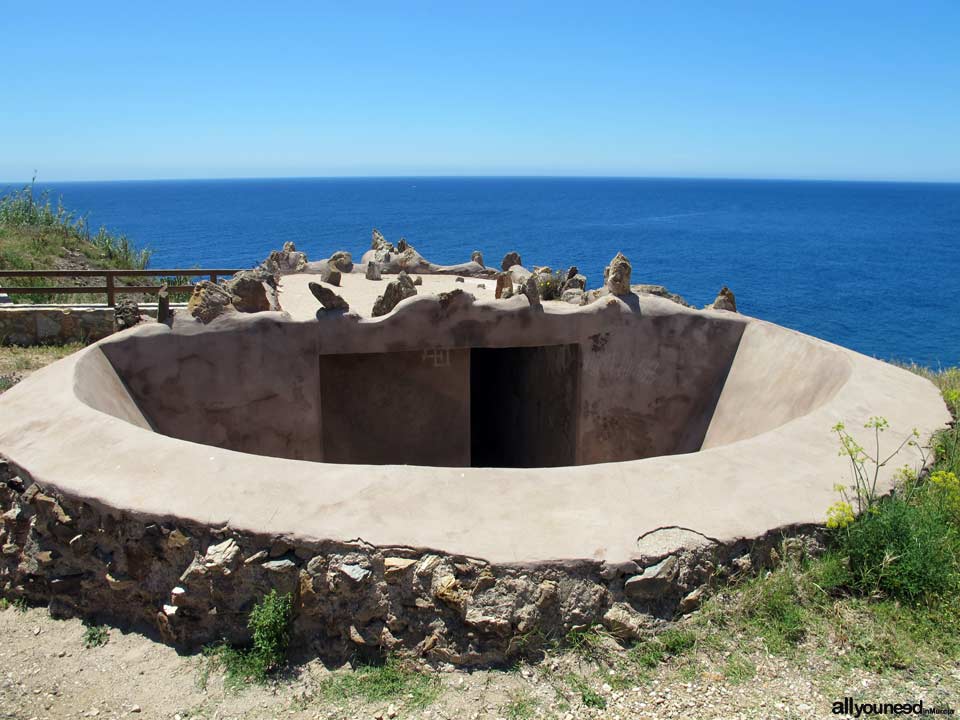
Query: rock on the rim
{"type": "Point", "coordinates": [617, 275]}
{"type": "Point", "coordinates": [574, 296]}
{"type": "Point", "coordinates": [342, 261]}
{"type": "Point", "coordinates": [659, 291]}
{"type": "Point", "coordinates": [396, 290]}
{"type": "Point", "coordinates": [126, 314]}
{"type": "Point", "coordinates": [653, 581]}
{"type": "Point", "coordinates": [725, 301]}
{"type": "Point", "coordinates": [574, 280]}
{"type": "Point", "coordinates": [532, 291]}
{"type": "Point", "coordinates": [328, 298]}
{"type": "Point", "coordinates": [382, 250]}
{"type": "Point", "coordinates": [209, 301]}
{"type": "Point", "coordinates": [477, 257]}
{"type": "Point", "coordinates": [283, 262]}
{"type": "Point", "coordinates": [504, 282]}
{"type": "Point", "coordinates": [248, 291]}
{"type": "Point", "coordinates": [510, 259]}
{"type": "Point", "coordinates": [459, 279]}
{"type": "Point", "coordinates": [330, 275]}
{"type": "Point", "coordinates": [373, 270]}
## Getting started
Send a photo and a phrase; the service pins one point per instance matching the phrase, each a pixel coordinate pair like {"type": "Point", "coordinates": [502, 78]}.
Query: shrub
{"type": "Point", "coordinates": [270, 626]}
{"type": "Point", "coordinates": [94, 636]}
{"type": "Point", "coordinates": [903, 547]}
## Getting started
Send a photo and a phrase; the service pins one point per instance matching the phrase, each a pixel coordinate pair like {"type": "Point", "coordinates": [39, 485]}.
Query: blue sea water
{"type": "Point", "coordinates": [872, 266]}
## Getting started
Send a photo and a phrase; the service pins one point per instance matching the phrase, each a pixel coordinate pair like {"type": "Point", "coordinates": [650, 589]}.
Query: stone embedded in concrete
{"type": "Point", "coordinates": [653, 581]}
{"type": "Point", "coordinates": [659, 291]}
{"type": "Point", "coordinates": [285, 261]}
{"type": "Point", "coordinates": [617, 275]}
{"type": "Point", "coordinates": [248, 291]}
{"type": "Point", "coordinates": [396, 290]}
{"type": "Point", "coordinates": [373, 270]}
{"type": "Point", "coordinates": [725, 301]}
{"type": "Point", "coordinates": [209, 301]}
{"type": "Point", "coordinates": [330, 275]}
{"type": "Point", "coordinates": [531, 289]}
{"type": "Point", "coordinates": [510, 259]}
{"type": "Point", "coordinates": [328, 298]}
{"type": "Point", "coordinates": [342, 261]}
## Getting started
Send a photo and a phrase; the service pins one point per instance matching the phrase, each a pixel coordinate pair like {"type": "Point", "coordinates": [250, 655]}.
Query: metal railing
{"type": "Point", "coordinates": [111, 288]}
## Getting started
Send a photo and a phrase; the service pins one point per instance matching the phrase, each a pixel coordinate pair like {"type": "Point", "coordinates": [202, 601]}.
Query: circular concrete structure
{"type": "Point", "coordinates": [454, 478]}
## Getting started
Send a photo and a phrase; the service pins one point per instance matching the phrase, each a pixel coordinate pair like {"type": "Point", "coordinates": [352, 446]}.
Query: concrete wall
{"type": "Point", "coordinates": [777, 375]}
{"type": "Point", "coordinates": [629, 386]}
{"type": "Point", "coordinates": [254, 389]}
{"type": "Point", "coordinates": [402, 408]}
{"type": "Point", "coordinates": [652, 391]}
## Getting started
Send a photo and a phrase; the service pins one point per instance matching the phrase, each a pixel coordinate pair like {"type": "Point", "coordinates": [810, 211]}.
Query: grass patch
{"type": "Point", "coordinates": [94, 635]}
{"type": "Point", "coordinates": [391, 680]}
{"type": "Point", "coordinates": [738, 669]}
{"type": "Point", "coordinates": [520, 706]}
{"type": "Point", "coordinates": [588, 696]}
{"type": "Point", "coordinates": [270, 626]}
{"type": "Point", "coordinates": [16, 362]}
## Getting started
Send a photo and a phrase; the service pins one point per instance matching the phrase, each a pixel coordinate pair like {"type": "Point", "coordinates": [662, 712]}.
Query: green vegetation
{"type": "Point", "coordinates": [36, 234]}
{"type": "Point", "coordinates": [392, 680]}
{"type": "Point", "coordinates": [17, 362]}
{"type": "Point", "coordinates": [520, 706]}
{"type": "Point", "coordinates": [94, 635]}
{"type": "Point", "coordinates": [269, 624]}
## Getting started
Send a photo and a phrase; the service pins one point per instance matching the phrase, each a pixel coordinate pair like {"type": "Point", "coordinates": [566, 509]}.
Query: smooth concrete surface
{"type": "Point", "coordinates": [771, 459]}
{"type": "Point", "coordinates": [396, 408]}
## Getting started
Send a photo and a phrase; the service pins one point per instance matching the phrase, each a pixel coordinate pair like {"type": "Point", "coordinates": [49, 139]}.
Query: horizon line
{"type": "Point", "coordinates": [248, 178]}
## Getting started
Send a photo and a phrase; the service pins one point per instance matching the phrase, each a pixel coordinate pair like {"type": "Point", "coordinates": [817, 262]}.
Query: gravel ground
{"type": "Point", "coordinates": [47, 672]}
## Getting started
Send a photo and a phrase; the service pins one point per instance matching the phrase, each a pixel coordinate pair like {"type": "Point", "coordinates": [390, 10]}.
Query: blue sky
{"type": "Point", "coordinates": [839, 90]}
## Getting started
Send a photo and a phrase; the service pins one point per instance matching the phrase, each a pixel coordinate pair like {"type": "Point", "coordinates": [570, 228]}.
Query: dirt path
{"type": "Point", "coordinates": [47, 672]}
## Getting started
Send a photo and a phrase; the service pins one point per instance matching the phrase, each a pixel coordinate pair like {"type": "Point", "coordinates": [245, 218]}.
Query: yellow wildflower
{"type": "Point", "coordinates": [840, 515]}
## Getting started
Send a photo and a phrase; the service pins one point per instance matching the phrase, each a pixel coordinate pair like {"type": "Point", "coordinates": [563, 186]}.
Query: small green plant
{"type": "Point", "coordinates": [94, 635]}
{"type": "Point", "coordinates": [738, 669]}
{"type": "Point", "coordinates": [391, 680]}
{"type": "Point", "coordinates": [20, 604]}
{"type": "Point", "coordinates": [520, 706]}
{"type": "Point", "coordinates": [588, 696]}
{"type": "Point", "coordinates": [670, 643]}
{"type": "Point", "coordinates": [865, 467]}
{"type": "Point", "coordinates": [269, 624]}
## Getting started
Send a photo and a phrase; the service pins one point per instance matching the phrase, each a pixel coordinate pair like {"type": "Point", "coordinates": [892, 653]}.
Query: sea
{"type": "Point", "coordinates": [873, 266]}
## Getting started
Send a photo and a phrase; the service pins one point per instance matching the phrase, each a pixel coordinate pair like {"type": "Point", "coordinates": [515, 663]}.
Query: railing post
{"type": "Point", "coordinates": [213, 278]}
{"type": "Point", "coordinates": [111, 295]}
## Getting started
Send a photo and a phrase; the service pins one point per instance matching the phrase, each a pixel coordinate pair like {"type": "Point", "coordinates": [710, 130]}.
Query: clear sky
{"type": "Point", "coordinates": [788, 89]}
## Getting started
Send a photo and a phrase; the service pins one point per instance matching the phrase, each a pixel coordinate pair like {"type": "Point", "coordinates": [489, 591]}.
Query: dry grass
{"type": "Point", "coordinates": [18, 362]}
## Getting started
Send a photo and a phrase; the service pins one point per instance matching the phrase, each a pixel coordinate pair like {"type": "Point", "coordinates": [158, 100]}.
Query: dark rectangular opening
{"type": "Point", "coordinates": [524, 405]}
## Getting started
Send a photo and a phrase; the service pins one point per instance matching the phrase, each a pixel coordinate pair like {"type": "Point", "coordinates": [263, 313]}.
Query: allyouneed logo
{"type": "Point", "coordinates": [848, 707]}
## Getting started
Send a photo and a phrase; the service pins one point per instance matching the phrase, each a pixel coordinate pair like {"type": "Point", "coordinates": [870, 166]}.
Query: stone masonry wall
{"type": "Point", "coordinates": [25, 325]}
{"type": "Point", "coordinates": [191, 585]}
